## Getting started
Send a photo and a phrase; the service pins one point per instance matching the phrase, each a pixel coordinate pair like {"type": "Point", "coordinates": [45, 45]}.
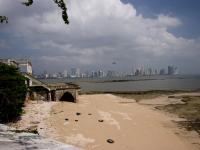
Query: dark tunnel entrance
{"type": "Point", "coordinates": [68, 97]}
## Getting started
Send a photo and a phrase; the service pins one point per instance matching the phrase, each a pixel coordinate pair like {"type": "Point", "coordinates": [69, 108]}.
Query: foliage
{"type": "Point", "coordinates": [28, 3]}
{"type": "Point", "coordinates": [60, 3]}
{"type": "Point", "coordinates": [3, 19]}
{"type": "Point", "coordinates": [12, 92]}
{"type": "Point", "coordinates": [190, 110]}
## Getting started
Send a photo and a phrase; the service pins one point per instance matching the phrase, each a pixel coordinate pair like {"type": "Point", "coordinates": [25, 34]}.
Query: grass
{"type": "Point", "coordinates": [144, 94]}
{"type": "Point", "coordinates": [190, 110]}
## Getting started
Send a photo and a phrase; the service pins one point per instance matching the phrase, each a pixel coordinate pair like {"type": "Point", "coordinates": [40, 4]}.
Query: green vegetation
{"type": "Point", "coordinates": [12, 93]}
{"type": "Point", "coordinates": [190, 110]}
{"type": "Point", "coordinates": [60, 3]}
{"type": "Point", "coordinates": [141, 95]}
{"type": "Point", "coordinates": [3, 19]}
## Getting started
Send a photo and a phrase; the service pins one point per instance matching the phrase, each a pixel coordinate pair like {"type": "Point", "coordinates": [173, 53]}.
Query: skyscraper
{"type": "Point", "coordinates": [172, 70]}
{"type": "Point", "coordinates": [75, 72]}
{"type": "Point", "coordinates": [65, 73]}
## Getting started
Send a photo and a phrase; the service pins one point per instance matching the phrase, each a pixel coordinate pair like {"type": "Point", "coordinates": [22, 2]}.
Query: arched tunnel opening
{"type": "Point", "coordinates": [68, 97]}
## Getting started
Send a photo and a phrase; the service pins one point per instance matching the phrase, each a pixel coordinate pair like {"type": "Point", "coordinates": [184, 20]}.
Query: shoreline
{"type": "Point", "coordinates": [59, 122]}
{"type": "Point", "coordinates": [140, 92]}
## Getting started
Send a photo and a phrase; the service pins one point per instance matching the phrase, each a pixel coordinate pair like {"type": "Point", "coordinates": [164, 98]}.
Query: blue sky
{"type": "Point", "coordinates": [134, 33]}
{"type": "Point", "coordinates": [187, 10]}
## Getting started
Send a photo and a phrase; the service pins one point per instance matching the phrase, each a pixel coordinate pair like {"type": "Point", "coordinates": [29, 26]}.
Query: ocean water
{"type": "Point", "coordinates": [134, 83]}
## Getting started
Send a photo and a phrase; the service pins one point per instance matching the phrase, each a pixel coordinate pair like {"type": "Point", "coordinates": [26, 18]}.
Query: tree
{"type": "Point", "coordinates": [12, 92]}
{"type": "Point", "coordinates": [60, 3]}
{"type": "Point", "coordinates": [3, 18]}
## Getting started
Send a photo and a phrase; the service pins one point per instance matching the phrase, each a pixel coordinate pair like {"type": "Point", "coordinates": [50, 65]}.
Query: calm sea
{"type": "Point", "coordinates": [134, 83]}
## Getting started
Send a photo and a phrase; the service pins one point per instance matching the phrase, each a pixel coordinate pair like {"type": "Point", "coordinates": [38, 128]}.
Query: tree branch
{"type": "Point", "coordinates": [60, 3]}
{"type": "Point", "coordinates": [3, 19]}
{"type": "Point", "coordinates": [28, 3]}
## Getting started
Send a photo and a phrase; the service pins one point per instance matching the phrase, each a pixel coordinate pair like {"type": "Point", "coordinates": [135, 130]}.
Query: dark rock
{"type": "Point", "coordinates": [110, 141]}
{"type": "Point", "coordinates": [100, 120]}
{"type": "Point", "coordinates": [76, 120]}
{"type": "Point", "coordinates": [89, 114]}
{"type": "Point", "coordinates": [78, 113]}
{"type": "Point", "coordinates": [171, 96]}
{"type": "Point", "coordinates": [66, 119]}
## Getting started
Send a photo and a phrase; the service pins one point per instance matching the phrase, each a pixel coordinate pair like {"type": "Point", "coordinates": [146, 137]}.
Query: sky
{"type": "Point", "coordinates": [132, 33]}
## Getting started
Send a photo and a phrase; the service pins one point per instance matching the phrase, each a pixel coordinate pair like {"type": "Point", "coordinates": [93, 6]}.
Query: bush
{"type": "Point", "coordinates": [12, 93]}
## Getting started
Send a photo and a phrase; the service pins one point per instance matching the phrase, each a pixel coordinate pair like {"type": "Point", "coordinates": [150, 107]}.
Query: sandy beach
{"type": "Point", "coordinates": [97, 118]}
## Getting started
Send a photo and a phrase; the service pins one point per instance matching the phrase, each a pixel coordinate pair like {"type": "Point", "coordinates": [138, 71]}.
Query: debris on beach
{"type": "Point", "coordinates": [89, 114]}
{"type": "Point", "coordinates": [31, 129]}
{"type": "Point", "coordinates": [110, 141]}
{"type": "Point", "coordinates": [78, 113]}
{"type": "Point", "coordinates": [66, 119]}
{"type": "Point", "coordinates": [100, 120]}
{"type": "Point", "coordinates": [58, 112]}
{"type": "Point", "coordinates": [76, 120]}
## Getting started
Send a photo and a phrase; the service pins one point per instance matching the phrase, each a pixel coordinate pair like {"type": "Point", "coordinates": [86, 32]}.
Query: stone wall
{"type": "Point", "coordinates": [60, 93]}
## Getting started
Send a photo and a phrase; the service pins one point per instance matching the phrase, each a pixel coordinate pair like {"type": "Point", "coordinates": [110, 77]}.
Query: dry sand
{"type": "Point", "coordinates": [132, 126]}
{"type": "Point", "coordinates": [35, 115]}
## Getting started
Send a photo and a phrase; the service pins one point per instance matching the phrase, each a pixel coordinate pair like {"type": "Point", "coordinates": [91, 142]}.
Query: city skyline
{"type": "Point", "coordinates": [127, 32]}
{"type": "Point", "coordinates": [78, 73]}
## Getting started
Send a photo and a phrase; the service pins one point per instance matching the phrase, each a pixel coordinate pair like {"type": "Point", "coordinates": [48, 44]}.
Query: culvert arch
{"type": "Point", "coordinates": [67, 97]}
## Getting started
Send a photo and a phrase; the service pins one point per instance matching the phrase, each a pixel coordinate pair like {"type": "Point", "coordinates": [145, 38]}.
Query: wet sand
{"type": "Point", "coordinates": [103, 116]}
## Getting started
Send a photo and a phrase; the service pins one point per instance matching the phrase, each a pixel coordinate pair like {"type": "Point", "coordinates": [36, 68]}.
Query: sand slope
{"type": "Point", "coordinates": [130, 125]}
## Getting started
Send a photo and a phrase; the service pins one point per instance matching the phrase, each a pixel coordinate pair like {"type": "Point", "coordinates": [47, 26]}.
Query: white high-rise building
{"type": "Point", "coordinates": [75, 72]}
{"type": "Point", "coordinates": [65, 74]}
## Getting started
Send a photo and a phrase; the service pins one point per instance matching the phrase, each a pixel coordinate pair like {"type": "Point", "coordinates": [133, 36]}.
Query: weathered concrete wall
{"type": "Point", "coordinates": [42, 95]}
{"type": "Point", "coordinates": [60, 93]}
{"type": "Point", "coordinates": [53, 95]}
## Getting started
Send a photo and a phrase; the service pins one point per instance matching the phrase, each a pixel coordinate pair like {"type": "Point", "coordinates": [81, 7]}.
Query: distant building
{"type": "Point", "coordinates": [156, 72]}
{"type": "Point", "coordinates": [78, 72]}
{"type": "Point", "coordinates": [75, 73]}
{"type": "Point", "coordinates": [137, 72]}
{"type": "Point", "coordinates": [24, 65]}
{"type": "Point", "coordinates": [111, 73]}
{"type": "Point", "coordinates": [150, 72]}
{"type": "Point", "coordinates": [93, 74]}
{"type": "Point", "coordinates": [55, 75]}
{"type": "Point", "coordinates": [172, 70]}
{"type": "Point", "coordinates": [133, 72]}
{"type": "Point", "coordinates": [162, 71]}
{"type": "Point", "coordinates": [87, 74]}
{"type": "Point", "coordinates": [9, 62]}
{"type": "Point", "coordinates": [65, 75]}
{"type": "Point", "coordinates": [100, 74]}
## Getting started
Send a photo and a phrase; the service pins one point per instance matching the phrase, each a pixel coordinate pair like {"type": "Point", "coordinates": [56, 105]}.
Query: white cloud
{"type": "Point", "coordinates": [99, 31]}
{"type": "Point", "coordinates": [168, 21]}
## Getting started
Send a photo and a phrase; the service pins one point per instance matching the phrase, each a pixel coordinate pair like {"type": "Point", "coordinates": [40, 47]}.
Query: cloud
{"type": "Point", "coordinates": [100, 31]}
{"type": "Point", "coordinates": [168, 21]}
